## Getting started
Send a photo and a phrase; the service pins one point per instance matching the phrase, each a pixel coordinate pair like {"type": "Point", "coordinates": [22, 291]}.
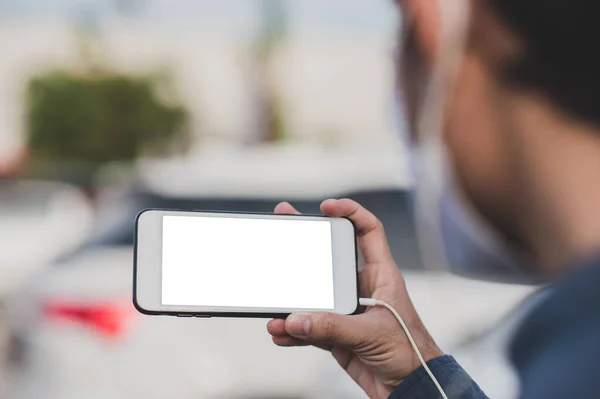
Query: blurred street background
{"type": "Point", "coordinates": [111, 106]}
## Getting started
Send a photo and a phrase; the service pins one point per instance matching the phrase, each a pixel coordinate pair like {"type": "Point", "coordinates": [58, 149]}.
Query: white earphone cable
{"type": "Point", "coordinates": [376, 302]}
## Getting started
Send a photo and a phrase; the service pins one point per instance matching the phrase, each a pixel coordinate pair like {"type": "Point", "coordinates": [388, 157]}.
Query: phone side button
{"type": "Point", "coordinates": [202, 316]}
{"type": "Point", "coordinates": [184, 315]}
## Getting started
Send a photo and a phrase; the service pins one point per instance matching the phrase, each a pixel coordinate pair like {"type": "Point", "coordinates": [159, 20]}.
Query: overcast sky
{"type": "Point", "coordinates": [239, 16]}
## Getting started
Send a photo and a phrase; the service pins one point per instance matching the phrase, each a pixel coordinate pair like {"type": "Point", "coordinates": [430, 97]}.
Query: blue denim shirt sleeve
{"type": "Point", "coordinates": [456, 382]}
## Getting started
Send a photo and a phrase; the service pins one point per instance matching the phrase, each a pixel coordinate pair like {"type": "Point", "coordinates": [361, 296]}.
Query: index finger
{"type": "Point", "coordinates": [371, 235]}
{"type": "Point", "coordinates": [285, 208]}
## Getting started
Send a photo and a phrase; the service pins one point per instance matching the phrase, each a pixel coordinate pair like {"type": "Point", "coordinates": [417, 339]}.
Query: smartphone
{"type": "Point", "coordinates": [205, 264]}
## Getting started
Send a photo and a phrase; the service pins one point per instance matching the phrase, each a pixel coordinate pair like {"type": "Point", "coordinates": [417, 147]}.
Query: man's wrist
{"type": "Point", "coordinates": [429, 351]}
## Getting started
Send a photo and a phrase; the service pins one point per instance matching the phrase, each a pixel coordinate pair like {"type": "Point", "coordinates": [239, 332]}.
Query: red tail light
{"type": "Point", "coordinates": [108, 319]}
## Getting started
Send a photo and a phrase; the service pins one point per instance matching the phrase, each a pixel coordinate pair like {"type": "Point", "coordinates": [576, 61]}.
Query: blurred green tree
{"type": "Point", "coordinates": [96, 118]}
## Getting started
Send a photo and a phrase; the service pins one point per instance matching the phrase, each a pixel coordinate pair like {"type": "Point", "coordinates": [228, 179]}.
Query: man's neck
{"type": "Point", "coordinates": [559, 184]}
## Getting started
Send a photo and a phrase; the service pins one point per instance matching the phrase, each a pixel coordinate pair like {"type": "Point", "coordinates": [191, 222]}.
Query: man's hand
{"type": "Point", "coordinates": [371, 347]}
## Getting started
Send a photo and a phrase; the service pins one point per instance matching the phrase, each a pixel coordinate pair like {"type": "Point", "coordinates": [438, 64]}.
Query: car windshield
{"type": "Point", "coordinates": [29, 199]}
{"type": "Point", "coordinates": [116, 228]}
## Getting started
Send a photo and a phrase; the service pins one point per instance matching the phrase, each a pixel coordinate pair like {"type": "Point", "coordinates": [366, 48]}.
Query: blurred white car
{"type": "Point", "coordinates": [81, 338]}
{"type": "Point", "coordinates": [40, 220]}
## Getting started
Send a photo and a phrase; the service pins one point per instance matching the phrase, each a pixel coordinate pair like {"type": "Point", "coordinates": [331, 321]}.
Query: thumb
{"type": "Point", "coordinates": [327, 328]}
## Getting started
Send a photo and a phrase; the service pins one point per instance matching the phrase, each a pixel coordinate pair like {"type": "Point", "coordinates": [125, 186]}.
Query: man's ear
{"type": "Point", "coordinates": [425, 18]}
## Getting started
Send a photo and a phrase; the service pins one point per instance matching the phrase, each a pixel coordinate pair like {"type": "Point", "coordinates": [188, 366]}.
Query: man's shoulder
{"type": "Point", "coordinates": [557, 348]}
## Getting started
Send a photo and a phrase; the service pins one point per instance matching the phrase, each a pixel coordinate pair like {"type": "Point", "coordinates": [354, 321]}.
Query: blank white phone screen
{"type": "Point", "coordinates": [239, 262]}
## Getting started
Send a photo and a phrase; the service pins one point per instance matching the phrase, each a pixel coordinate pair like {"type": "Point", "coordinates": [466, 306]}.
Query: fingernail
{"type": "Point", "coordinates": [298, 325]}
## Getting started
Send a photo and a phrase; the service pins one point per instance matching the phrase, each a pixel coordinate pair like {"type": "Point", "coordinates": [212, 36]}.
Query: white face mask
{"type": "Point", "coordinates": [451, 233]}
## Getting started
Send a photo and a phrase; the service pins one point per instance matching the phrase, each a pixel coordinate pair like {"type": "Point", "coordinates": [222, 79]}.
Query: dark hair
{"type": "Point", "coordinates": [561, 57]}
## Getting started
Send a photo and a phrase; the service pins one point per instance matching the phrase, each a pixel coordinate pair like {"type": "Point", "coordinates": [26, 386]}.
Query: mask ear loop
{"type": "Point", "coordinates": [431, 182]}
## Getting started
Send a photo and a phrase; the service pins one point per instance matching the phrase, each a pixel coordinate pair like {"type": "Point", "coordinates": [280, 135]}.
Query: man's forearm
{"type": "Point", "coordinates": [454, 380]}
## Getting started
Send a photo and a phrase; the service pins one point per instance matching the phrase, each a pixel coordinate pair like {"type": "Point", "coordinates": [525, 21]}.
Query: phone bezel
{"type": "Point", "coordinates": [147, 279]}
